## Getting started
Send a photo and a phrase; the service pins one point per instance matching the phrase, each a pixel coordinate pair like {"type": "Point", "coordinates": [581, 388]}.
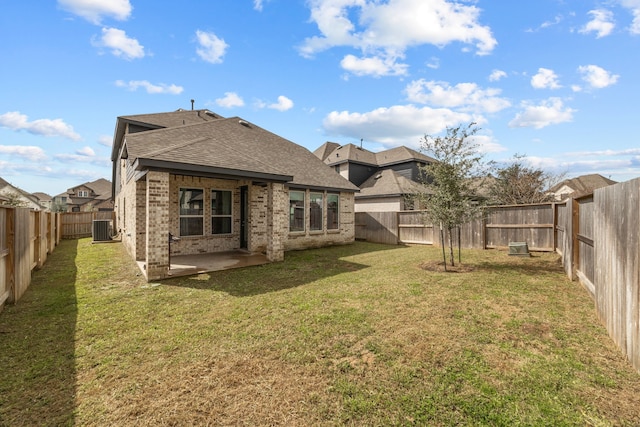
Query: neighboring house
{"type": "Point", "coordinates": [386, 179]}
{"type": "Point", "coordinates": [579, 186]}
{"type": "Point", "coordinates": [221, 184]}
{"type": "Point", "coordinates": [44, 200]}
{"type": "Point", "coordinates": [10, 195]}
{"type": "Point", "coordinates": [87, 197]}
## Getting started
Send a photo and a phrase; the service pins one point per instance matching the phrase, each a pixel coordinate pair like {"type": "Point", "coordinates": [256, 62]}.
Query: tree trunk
{"type": "Point", "coordinates": [459, 247]}
{"type": "Point", "coordinates": [444, 256]}
{"type": "Point", "coordinates": [451, 256]}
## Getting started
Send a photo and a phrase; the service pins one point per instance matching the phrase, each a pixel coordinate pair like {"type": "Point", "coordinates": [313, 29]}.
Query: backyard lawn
{"type": "Point", "coordinates": [350, 335]}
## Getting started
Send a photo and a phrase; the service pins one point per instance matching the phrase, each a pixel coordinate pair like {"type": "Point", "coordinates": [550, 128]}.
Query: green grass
{"type": "Point", "coordinates": [350, 335]}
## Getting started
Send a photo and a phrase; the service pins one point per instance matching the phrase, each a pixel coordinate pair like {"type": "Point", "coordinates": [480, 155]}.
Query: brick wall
{"type": "Point", "coordinates": [310, 239]}
{"type": "Point", "coordinates": [157, 248]}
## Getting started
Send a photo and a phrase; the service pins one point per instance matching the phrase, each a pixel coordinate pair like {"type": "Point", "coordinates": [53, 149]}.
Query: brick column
{"type": "Point", "coordinates": [157, 236]}
{"type": "Point", "coordinates": [277, 221]}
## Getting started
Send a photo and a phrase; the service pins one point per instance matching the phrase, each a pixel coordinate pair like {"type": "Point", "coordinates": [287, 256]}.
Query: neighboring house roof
{"type": "Point", "coordinates": [231, 147]}
{"type": "Point", "coordinates": [350, 153]}
{"type": "Point", "coordinates": [581, 185]}
{"type": "Point", "coordinates": [389, 183]}
{"type": "Point", "coordinates": [30, 200]}
{"type": "Point", "coordinates": [100, 195]}
{"type": "Point", "coordinates": [332, 154]}
{"type": "Point", "coordinates": [325, 150]}
{"type": "Point", "coordinates": [400, 155]}
{"type": "Point", "coordinates": [43, 197]}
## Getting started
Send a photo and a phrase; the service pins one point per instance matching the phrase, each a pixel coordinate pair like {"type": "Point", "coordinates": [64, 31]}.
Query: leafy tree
{"type": "Point", "coordinates": [516, 183]}
{"type": "Point", "coordinates": [451, 180]}
{"type": "Point", "coordinates": [15, 199]}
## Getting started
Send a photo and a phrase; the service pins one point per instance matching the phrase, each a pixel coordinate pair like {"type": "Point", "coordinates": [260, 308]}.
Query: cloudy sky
{"type": "Point", "coordinates": [555, 80]}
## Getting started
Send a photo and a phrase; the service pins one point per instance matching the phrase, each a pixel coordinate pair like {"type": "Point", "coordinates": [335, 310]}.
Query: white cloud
{"type": "Point", "coordinates": [597, 77]}
{"type": "Point", "coordinates": [634, 8]}
{"type": "Point", "coordinates": [373, 66]}
{"type": "Point", "coordinates": [212, 48]}
{"type": "Point", "coordinates": [393, 126]}
{"type": "Point", "coordinates": [120, 44]}
{"type": "Point", "coordinates": [94, 10]}
{"type": "Point", "coordinates": [549, 112]}
{"type": "Point", "coordinates": [84, 155]}
{"type": "Point", "coordinates": [602, 23]}
{"type": "Point", "coordinates": [47, 127]}
{"type": "Point", "coordinates": [28, 152]}
{"type": "Point", "coordinates": [497, 75]}
{"type": "Point", "coordinates": [545, 79]}
{"type": "Point", "coordinates": [105, 140]}
{"type": "Point", "coordinates": [257, 5]}
{"type": "Point", "coordinates": [230, 100]}
{"type": "Point", "coordinates": [162, 88]}
{"type": "Point", "coordinates": [466, 96]}
{"type": "Point", "coordinates": [386, 30]}
{"type": "Point", "coordinates": [283, 104]}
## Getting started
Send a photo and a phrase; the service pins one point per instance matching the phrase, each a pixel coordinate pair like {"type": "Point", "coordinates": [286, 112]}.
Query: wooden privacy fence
{"type": "Point", "coordinates": [535, 224]}
{"type": "Point", "coordinates": [27, 237]}
{"type": "Point", "coordinates": [76, 225]}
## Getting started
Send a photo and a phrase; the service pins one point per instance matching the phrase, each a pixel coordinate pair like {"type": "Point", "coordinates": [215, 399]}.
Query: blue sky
{"type": "Point", "coordinates": [555, 80]}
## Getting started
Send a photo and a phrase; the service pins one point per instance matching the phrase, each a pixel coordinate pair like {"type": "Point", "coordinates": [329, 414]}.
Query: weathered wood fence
{"type": "Point", "coordinates": [598, 236]}
{"type": "Point", "coordinates": [76, 225]}
{"type": "Point", "coordinates": [27, 237]}
{"type": "Point", "coordinates": [536, 224]}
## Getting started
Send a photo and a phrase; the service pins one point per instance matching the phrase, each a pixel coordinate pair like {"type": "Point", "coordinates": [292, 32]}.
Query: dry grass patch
{"type": "Point", "coordinates": [353, 335]}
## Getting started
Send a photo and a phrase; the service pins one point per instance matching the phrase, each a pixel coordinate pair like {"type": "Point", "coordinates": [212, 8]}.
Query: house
{"type": "Point", "coordinates": [14, 196]}
{"type": "Point", "coordinates": [44, 200]}
{"type": "Point", "coordinates": [579, 186]}
{"type": "Point", "coordinates": [192, 182]}
{"type": "Point", "coordinates": [386, 179]}
{"type": "Point", "coordinates": [87, 197]}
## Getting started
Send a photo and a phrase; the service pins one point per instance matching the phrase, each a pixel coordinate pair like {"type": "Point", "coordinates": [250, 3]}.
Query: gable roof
{"type": "Point", "coordinates": [389, 183]}
{"type": "Point", "coordinates": [43, 197]}
{"type": "Point", "coordinates": [325, 150]}
{"type": "Point", "coordinates": [351, 153]}
{"type": "Point", "coordinates": [334, 154]}
{"type": "Point", "coordinates": [231, 147]}
{"type": "Point", "coordinates": [583, 184]}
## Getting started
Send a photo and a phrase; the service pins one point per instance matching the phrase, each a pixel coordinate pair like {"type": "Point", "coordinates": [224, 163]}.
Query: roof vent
{"type": "Point", "coordinates": [244, 123]}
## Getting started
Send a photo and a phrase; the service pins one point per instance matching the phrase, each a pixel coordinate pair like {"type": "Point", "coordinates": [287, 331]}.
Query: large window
{"type": "Point", "coordinates": [315, 211]}
{"type": "Point", "coordinates": [220, 212]}
{"type": "Point", "coordinates": [191, 211]}
{"type": "Point", "coordinates": [332, 211]}
{"type": "Point", "coordinates": [296, 210]}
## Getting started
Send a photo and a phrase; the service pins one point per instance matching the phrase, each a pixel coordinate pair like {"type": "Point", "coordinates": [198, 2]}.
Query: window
{"type": "Point", "coordinates": [332, 211]}
{"type": "Point", "coordinates": [315, 211]}
{"type": "Point", "coordinates": [83, 193]}
{"type": "Point", "coordinates": [191, 211]}
{"type": "Point", "coordinates": [296, 210]}
{"type": "Point", "coordinates": [220, 212]}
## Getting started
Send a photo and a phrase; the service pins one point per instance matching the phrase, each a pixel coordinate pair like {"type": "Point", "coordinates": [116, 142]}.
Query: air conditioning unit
{"type": "Point", "coordinates": [101, 230]}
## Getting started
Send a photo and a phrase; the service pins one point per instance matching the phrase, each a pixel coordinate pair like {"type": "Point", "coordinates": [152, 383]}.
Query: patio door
{"type": "Point", "coordinates": [244, 216]}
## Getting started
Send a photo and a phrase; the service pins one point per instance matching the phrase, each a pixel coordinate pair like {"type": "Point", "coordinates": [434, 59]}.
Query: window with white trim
{"type": "Point", "coordinates": [83, 193]}
{"type": "Point", "coordinates": [221, 208]}
{"type": "Point", "coordinates": [191, 202]}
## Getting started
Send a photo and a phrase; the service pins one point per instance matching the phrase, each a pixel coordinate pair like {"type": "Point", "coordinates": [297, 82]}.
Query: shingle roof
{"type": "Point", "coordinates": [175, 118]}
{"type": "Point", "coordinates": [584, 184]}
{"type": "Point", "coordinates": [325, 150]}
{"type": "Point", "coordinates": [43, 197]}
{"type": "Point", "coordinates": [389, 183]}
{"type": "Point", "coordinates": [401, 154]}
{"type": "Point", "coordinates": [353, 153]}
{"type": "Point", "coordinates": [236, 146]}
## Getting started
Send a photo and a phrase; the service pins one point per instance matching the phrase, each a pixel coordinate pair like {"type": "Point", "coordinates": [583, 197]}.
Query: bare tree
{"type": "Point", "coordinates": [517, 183]}
{"type": "Point", "coordinates": [15, 199]}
